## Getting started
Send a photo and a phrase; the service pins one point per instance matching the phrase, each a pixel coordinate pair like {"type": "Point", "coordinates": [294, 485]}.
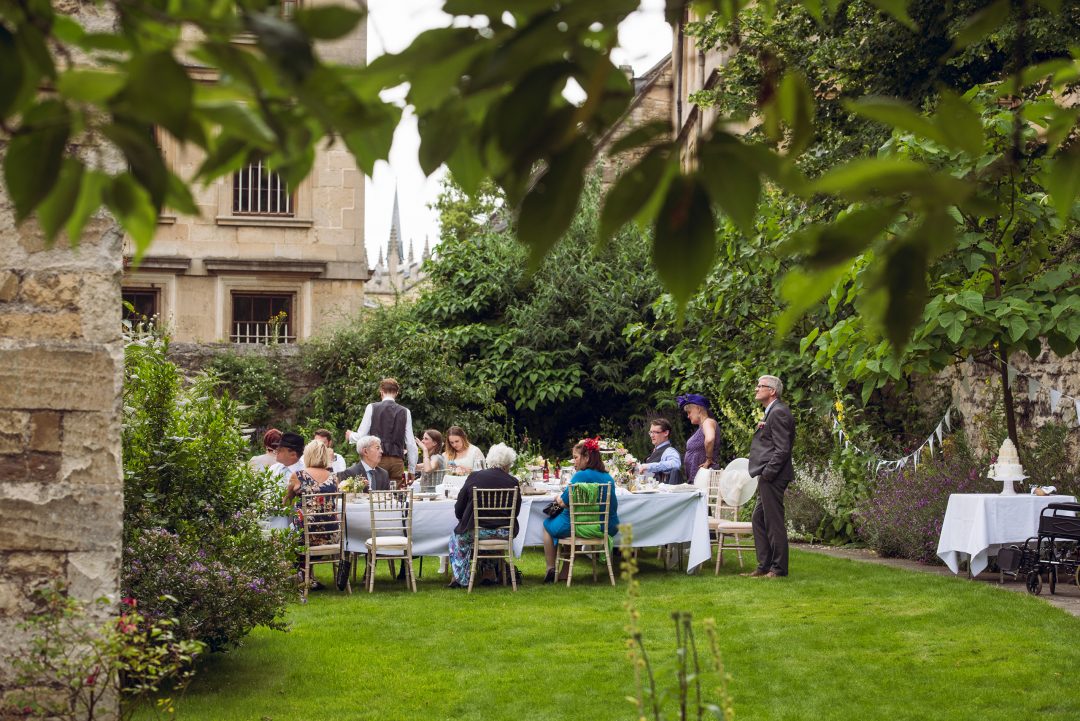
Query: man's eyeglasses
{"type": "Point", "coordinates": [763, 385]}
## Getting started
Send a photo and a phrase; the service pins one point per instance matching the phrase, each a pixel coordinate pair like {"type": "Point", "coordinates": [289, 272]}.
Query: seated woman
{"type": "Point", "coordinates": [501, 457]}
{"type": "Point", "coordinates": [315, 477]}
{"type": "Point", "coordinates": [462, 457]}
{"type": "Point", "coordinates": [590, 469]}
{"type": "Point", "coordinates": [433, 463]}
{"type": "Point", "coordinates": [270, 442]}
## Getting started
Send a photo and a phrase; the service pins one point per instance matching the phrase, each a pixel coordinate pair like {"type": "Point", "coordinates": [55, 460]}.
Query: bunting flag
{"type": "Point", "coordinates": [914, 457]}
{"type": "Point", "coordinates": [1055, 399]}
{"type": "Point", "coordinates": [1012, 374]}
{"type": "Point", "coordinates": [1076, 402]}
{"type": "Point", "coordinates": [1033, 389]}
{"type": "Point", "coordinates": [1034, 386]}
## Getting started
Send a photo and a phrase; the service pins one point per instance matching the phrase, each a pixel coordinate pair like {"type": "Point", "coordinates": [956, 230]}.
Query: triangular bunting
{"type": "Point", "coordinates": [937, 431]}
{"type": "Point", "coordinates": [948, 422]}
{"type": "Point", "coordinates": [1076, 403]}
{"type": "Point", "coordinates": [1055, 399]}
{"type": "Point", "coordinates": [1033, 389]}
{"type": "Point", "coordinates": [1012, 374]}
{"type": "Point", "coordinates": [930, 441]}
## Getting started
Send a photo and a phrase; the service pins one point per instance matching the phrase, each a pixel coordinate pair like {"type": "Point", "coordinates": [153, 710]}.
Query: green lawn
{"type": "Point", "coordinates": [836, 640]}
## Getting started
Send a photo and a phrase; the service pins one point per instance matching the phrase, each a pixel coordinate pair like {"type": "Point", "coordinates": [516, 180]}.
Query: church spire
{"type": "Point", "coordinates": [394, 253]}
{"type": "Point", "coordinates": [412, 251]}
{"type": "Point", "coordinates": [427, 248]}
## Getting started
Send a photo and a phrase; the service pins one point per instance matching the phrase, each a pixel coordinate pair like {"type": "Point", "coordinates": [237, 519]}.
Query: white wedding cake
{"type": "Point", "coordinates": [1008, 466]}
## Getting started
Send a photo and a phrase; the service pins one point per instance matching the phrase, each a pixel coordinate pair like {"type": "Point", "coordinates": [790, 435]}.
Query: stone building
{"type": "Point", "coordinates": [396, 277]}
{"type": "Point", "coordinates": [262, 260]}
{"type": "Point", "coordinates": [651, 103]}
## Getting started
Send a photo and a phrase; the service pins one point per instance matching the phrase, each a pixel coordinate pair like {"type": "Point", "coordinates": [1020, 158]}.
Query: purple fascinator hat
{"type": "Point", "coordinates": [695, 398]}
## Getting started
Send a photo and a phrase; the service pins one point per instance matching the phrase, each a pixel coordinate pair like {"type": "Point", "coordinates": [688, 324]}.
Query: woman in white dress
{"type": "Point", "coordinates": [462, 457]}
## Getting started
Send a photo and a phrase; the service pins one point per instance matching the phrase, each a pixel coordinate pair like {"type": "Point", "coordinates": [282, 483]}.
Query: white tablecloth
{"type": "Point", "coordinates": [978, 524]}
{"type": "Point", "coordinates": [657, 519]}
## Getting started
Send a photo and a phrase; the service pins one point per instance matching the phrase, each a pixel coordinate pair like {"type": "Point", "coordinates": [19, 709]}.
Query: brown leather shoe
{"type": "Point", "coordinates": [756, 573]}
{"type": "Point", "coordinates": [774, 574]}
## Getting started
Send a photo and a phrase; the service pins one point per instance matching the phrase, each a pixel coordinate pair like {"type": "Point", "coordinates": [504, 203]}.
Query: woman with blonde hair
{"type": "Point", "coordinates": [316, 477]}
{"type": "Point", "coordinates": [462, 457]}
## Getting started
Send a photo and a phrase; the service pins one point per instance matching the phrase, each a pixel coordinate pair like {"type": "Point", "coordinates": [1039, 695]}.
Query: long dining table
{"type": "Point", "coordinates": [656, 519]}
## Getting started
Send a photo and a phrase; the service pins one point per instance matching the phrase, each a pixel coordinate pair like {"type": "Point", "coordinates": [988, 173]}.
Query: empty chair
{"type": "Point", "coordinates": [391, 533]}
{"type": "Point", "coordinates": [325, 527]}
{"type": "Point", "coordinates": [733, 489]}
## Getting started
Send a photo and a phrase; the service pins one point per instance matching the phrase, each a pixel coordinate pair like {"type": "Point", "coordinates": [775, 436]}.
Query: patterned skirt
{"type": "Point", "coordinates": [461, 548]}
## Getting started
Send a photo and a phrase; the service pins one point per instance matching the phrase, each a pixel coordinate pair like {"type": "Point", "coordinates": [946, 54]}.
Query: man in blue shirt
{"type": "Point", "coordinates": [664, 462]}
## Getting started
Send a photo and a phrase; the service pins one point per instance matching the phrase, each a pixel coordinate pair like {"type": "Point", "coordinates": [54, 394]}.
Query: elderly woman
{"type": "Point", "coordinates": [462, 457]}
{"type": "Point", "coordinates": [590, 469]}
{"type": "Point", "coordinates": [500, 458]}
{"type": "Point", "coordinates": [702, 448]}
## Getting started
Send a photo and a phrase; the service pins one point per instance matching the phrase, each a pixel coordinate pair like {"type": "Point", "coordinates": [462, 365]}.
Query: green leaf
{"type": "Point", "coordinates": [733, 182]}
{"type": "Point", "coordinates": [867, 176]}
{"type": "Point", "coordinates": [960, 124]}
{"type": "Point", "coordinates": [58, 205]}
{"type": "Point", "coordinates": [1062, 181]}
{"type": "Point", "coordinates": [897, 114]}
{"type": "Point", "coordinates": [898, 10]}
{"type": "Point", "coordinates": [684, 241]}
{"type": "Point", "coordinates": [34, 155]}
{"type": "Point", "coordinates": [632, 191]}
{"type": "Point", "coordinates": [179, 196]}
{"type": "Point", "coordinates": [131, 205]}
{"type": "Point", "coordinates": [87, 203]}
{"type": "Point", "coordinates": [1061, 345]}
{"type": "Point", "coordinates": [970, 299]}
{"type": "Point", "coordinates": [641, 135]}
{"type": "Point", "coordinates": [467, 167]}
{"type": "Point", "coordinates": [440, 132]}
{"type": "Point", "coordinates": [549, 207]}
{"type": "Point", "coordinates": [826, 245]}
{"type": "Point", "coordinates": [89, 86]}
{"type": "Point", "coordinates": [328, 22]}
{"type": "Point", "coordinates": [982, 24]}
{"type": "Point", "coordinates": [801, 290]}
{"type": "Point", "coordinates": [158, 91]}
{"type": "Point", "coordinates": [808, 339]}
{"type": "Point", "coordinates": [796, 107]}
{"type": "Point", "coordinates": [1017, 327]}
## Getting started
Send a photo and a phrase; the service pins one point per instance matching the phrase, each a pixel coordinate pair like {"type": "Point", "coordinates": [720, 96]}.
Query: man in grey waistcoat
{"type": "Point", "coordinates": [391, 423]}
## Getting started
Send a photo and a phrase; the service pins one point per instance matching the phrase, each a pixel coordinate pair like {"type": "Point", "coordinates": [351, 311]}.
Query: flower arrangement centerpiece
{"type": "Point", "coordinates": [620, 463]}
{"type": "Point", "coordinates": [356, 484]}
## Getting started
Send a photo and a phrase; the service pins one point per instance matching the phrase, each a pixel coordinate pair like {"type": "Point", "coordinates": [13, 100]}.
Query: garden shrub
{"type": "Point", "coordinates": [256, 382]}
{"type": "Point", "coordinates": [902, 515]}
{"type": "Point", "coordinates": [385, 342]}
{"type": "Point", "coordinates": [192, 507]}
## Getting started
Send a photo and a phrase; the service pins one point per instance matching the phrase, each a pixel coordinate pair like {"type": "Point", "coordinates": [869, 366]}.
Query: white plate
{"type": "Point", "coordinates": [653, 490]}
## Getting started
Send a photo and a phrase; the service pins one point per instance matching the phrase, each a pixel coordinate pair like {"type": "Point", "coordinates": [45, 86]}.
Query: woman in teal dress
{"type": "Point", "coordinates": [590, 469]}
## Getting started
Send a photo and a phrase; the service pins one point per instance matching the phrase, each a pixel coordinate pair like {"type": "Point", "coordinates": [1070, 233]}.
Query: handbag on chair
{"type": "Point", "coordinates": [553, 509]}
{"type": "Point", "coordinates": [341, 577]}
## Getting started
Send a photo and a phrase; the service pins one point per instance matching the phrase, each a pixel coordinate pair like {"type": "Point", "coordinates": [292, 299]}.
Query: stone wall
{"type": "Point", "coordinates": [975, 389]}
{"type": "Point", "coordinates": [194, 357]}
{"type": "Point", "coordinates": [61, 364]}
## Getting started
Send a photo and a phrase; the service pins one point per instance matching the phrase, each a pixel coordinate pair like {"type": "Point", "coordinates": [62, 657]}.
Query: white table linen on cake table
{"type": "Point", "coordinates": [657, 519]}
{"type": "Point", "coordinates": [978, 524]}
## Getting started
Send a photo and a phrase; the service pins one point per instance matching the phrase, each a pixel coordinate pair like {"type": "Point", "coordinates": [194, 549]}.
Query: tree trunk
{"type": "Point", "coordinates": [1006, 390]}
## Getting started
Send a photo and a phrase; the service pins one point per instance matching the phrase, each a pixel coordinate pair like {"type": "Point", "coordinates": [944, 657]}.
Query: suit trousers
{"type": "Point", "coordinates": [770, 530]}
{"type": "Point", "coordinates": [394, 467]}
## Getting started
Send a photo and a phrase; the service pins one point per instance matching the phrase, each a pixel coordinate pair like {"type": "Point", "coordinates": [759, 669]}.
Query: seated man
{"type": "Point", "coordinates": [370, 449]}
{"type": "Point", "coordinates": [290, 459]}
{"type": "Point", "coordinates": [327, 439]}
{"type": "Point", "coordinates": [663, 463]}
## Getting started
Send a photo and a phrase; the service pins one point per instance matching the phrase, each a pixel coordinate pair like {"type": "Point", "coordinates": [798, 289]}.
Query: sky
{"type": "Point", "coordinates": [644, 38]}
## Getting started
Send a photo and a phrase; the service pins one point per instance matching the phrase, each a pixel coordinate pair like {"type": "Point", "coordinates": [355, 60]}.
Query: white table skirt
{"type": "Point", "coordinates": [978, 524]}
{"type": "Point", "coordinates": [657, 519]}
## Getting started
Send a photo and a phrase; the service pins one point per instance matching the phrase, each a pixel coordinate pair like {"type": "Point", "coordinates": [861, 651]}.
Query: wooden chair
{"type": "Point", "coordinates": [325, 527]}
{"type": "Point", "coordinates": [586, 518]}
{"type": "Point", "coordinates": [724, 525]}
{"type": "Point", "coordinates": [391, 533]}
{"type": "Point", "coordinates": [494, 509]}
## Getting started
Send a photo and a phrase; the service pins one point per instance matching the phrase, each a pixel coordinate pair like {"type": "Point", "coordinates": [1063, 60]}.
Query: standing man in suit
{"type": "Point", "coordinates": [370, 450]}
{"type": "Point", "coordinates": [770, 460]}
{"type": "Point", "coordinates": [392, 423]}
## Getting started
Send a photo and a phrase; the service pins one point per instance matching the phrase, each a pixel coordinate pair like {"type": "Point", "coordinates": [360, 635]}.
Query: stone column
{"type": "Point", "coordinates": [61, 365]}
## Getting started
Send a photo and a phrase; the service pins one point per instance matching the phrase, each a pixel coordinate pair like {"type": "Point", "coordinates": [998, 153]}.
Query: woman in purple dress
{"type": "Point", "coordinates": [703, 448]}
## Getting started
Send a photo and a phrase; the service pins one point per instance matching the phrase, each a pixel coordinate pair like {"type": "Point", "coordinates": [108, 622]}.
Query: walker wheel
{"type": "Point", "coordinates": [1076, 575]}
{"type": "Point", "coordinates": [1053, 579]}
{"type": "Point", "coordinates": [1034, 583]}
